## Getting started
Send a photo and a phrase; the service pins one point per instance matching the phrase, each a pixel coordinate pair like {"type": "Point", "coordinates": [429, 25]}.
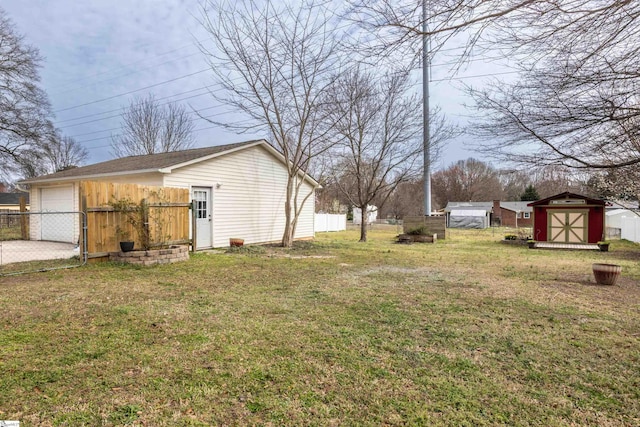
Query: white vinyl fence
{"type": "Point", "coordinates": [330, 222]}
{"type": "Point", "coordinates": [630, 229]}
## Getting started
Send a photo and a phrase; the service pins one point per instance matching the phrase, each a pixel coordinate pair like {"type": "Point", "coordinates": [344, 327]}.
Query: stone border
{"type": "Point", "coordinates": [152, 257]}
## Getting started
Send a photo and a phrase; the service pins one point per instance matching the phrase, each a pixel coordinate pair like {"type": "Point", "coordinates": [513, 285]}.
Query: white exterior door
{"type": "Point", "coordinates": [204, 226]}
{"type": "Point", "coordinates": [57, 227]}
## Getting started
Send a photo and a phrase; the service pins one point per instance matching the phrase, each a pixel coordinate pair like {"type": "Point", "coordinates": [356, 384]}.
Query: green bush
{"type": "Point", "coordinates": [420, 231]}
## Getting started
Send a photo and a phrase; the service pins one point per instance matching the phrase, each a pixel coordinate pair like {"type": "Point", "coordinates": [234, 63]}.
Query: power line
{"type": "Point", "coordinates": [192, 120]}
{"type": "Point", "coordinates": [195, 130]}
{"type": "Point", "coordinates": [106, 130]}
{"type": "Point", "coordinates": [123, 75]}
{"type": "Point", "coordinates": [474, 76]}
{"type": "Point", "coordinates": [126, 66]}
{"type": "Point", "coordinates": [133, 91]}
{"type": "Point", "coordinates": [120, 109]}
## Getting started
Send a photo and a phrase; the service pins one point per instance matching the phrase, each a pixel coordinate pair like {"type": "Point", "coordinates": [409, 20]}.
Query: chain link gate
{"type": "Point", "coordinates": [41, 241]}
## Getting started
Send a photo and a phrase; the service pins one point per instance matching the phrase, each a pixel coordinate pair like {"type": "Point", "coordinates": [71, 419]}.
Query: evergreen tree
{"type": "Point", "coordinates": [530, 194]}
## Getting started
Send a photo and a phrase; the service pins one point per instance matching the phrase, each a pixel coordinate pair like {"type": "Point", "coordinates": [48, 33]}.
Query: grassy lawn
{"type": "Point", "coordinates": [466, 332]}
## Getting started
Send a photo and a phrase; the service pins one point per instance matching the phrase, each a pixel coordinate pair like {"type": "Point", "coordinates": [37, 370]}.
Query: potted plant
{"type": "Point", "coordinates": [136, 215]}
{"type": "Point", "coordinates": [531, 244]}
{"type": "Point", "coordinates": [604, 246]}
{"type": "Point", "coordinates": [126, 244]}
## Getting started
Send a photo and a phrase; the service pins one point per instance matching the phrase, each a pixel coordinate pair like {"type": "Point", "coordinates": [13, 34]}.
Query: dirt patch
{"type": "Point", "coordinates": [625, 293]}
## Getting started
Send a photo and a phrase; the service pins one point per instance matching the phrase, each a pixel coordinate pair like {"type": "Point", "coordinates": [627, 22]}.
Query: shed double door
{"type": "Point", "coordinates": [568, 226]}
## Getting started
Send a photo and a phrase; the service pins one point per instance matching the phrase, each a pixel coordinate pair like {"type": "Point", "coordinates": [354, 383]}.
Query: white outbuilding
{"type": "Point", "coordinates": [240, 189]}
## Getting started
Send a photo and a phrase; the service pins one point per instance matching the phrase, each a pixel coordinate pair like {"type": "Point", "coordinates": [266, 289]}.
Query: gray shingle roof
{"type": "Point", "coordinates": [133, 164]}
{"type": "Point", "coordinates": [10, 199]}
{"type": "Point", "coordinates": [516, 206]}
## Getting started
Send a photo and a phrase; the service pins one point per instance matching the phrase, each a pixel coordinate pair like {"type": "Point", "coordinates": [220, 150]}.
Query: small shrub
{"type": "Point", "coordinates": [419, 231]}
{"type": "Point", "coordinates": [510, 237]}
{"type": "Point", "coordinates": [247, 250]}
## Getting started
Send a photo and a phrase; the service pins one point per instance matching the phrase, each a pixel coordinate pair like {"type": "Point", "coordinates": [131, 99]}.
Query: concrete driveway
{"type": "Point", "coordinates": [35, 250]}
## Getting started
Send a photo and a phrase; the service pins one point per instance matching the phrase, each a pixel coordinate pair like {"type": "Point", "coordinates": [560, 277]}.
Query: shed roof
{"type": "Point", "coordinates": [486, 206]}
{"type": "Point", "coordinates": [568, 196]}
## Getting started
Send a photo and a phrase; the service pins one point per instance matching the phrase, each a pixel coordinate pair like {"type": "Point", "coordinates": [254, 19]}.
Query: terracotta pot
{"type": "Point", "coordinates": [236, 242]}
{"type": "Point", "coordinates": [606, 274]}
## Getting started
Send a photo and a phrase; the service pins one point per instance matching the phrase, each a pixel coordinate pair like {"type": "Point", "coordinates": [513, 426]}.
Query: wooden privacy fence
{"type": "Point", "coordinates": [165, 220]}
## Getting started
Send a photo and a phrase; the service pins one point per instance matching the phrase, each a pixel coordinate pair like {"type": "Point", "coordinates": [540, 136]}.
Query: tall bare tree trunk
{"type": "Point", "coordinates": [363, 223]}
{"type": "Point", "coordinates": [287, 237]}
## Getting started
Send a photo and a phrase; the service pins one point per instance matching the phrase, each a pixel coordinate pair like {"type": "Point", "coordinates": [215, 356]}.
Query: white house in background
{"type": "Point", "coordinates": [240, 189]}
{"type": "Point", "coordinates": [372, 214]}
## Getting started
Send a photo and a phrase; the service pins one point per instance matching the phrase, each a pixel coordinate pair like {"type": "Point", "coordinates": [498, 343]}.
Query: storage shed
{"type": "Point", "coordinates": [468, 214]}
{"type": "Point", "coordinates": [568, 218]}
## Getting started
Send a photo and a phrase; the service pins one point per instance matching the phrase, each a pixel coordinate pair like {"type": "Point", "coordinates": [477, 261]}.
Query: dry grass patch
{"type": "Point", "coordinates": [334, 332]}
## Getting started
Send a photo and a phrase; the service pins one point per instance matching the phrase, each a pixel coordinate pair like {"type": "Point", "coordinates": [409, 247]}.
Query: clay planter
{"type": "Point", "coordinates": [235, 242]}
{"type": "Point", "coordinates": [606, 274]}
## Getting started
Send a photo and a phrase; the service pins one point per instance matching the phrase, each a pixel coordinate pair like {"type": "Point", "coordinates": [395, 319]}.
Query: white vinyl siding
{"type": "Point", "coordinates": [248, 195]}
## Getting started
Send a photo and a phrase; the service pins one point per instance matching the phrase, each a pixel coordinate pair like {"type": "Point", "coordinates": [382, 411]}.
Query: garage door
{"type": "Point", "coordinates": [57, 227]}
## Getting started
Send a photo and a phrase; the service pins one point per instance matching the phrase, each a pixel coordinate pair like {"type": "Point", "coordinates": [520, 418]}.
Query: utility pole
{"type": "Point", "coordinates": [425, 112]}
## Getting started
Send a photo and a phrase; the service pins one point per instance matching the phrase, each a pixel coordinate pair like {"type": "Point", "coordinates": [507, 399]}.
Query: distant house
{"type": "Point", "coordinates": [371, 216]}
{"type": "Point", "coordinates": [240, 189]}
{"type": "Point", "coordinates": [11, 201]}
{"type": "Point", "coordinates": [512, 214]}
{"type": "Point", "coordinates": [468, 214]}
{"type": "Point", "coordinates": [568, 218]}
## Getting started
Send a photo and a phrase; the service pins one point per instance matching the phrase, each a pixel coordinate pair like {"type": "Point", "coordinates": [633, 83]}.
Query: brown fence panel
{"type": "Point", "coordinates": [435, 224]}
{"type": "Point", "coordinates": [168, 215]}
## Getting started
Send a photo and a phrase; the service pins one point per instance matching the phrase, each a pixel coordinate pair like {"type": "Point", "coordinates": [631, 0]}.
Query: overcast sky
{"type": "Point", "coordinates": [99, 54]}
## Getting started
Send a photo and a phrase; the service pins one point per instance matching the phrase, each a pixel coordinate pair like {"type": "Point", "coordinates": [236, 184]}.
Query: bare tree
{"type": "Point", "coordinates": [53, 155]}
{"type": "Point", "coordinates": [272, 61]}
{"type": "Point", "coordinates": [378, 126]}
{"type": "Point", "coordinates": [63, 152]}
{"type": "Point", "coordinates": [468, 180]}
{"type": "Point", "coordinates": [397, 25]}
{"type": "Point", "coordinates": [406, 200]}
{"type": "Point", "coordinates": [576, 101]}
{"type": "Point", "coordinates": [149, 127]}
{"type": "Point", "coordinates": [514, 182]}
{"type": "Point", "coordinates": [24, 107]}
